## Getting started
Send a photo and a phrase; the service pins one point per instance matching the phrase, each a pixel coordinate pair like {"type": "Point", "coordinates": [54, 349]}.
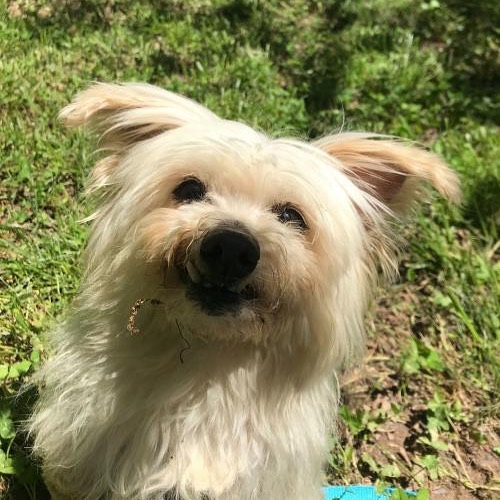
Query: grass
{"type": "Point", "coordinates": [423, 409]}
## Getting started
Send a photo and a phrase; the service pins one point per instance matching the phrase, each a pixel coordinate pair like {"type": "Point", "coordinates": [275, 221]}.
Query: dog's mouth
{"type": "Point", "coordinates": [215, 299]}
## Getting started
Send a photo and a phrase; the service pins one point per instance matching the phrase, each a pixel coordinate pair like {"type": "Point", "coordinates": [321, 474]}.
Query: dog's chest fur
{"type": "Point", "coordinates": [222, 417]}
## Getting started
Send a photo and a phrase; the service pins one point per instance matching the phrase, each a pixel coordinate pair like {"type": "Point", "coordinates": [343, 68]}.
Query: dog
{"type": "Point", "coordinates": [226, 279]}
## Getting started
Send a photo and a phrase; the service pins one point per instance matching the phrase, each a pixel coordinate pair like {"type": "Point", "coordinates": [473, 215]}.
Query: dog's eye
{"type": "Point", "coordinates": [189, 190]}
{"type": "Point", "coordinates": [289, 215]}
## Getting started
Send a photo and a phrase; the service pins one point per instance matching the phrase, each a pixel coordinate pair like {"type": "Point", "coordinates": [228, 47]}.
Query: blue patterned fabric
{"type": "Point", "coordinates": [357, 493]}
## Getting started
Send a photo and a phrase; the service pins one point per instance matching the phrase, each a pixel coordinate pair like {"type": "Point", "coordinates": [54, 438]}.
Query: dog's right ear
{"type": "Point", "coordinates": [127, 113]}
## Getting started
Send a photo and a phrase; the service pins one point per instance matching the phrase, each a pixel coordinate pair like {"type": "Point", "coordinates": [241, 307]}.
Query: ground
{"type": "Point", "coordinates": [390, 420]}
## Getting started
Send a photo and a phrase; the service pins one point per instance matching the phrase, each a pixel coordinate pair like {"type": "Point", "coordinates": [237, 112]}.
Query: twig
{"type": "Point", "coordinates": [131, 325]}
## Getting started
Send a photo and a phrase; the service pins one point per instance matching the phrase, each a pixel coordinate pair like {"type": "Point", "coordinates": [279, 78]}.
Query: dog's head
{"type": "Point", "coordinates": [237, 234]}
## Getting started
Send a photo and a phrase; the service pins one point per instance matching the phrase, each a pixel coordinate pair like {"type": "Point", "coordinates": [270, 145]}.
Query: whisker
{"type": "Point", "coordinates": [188, 345]}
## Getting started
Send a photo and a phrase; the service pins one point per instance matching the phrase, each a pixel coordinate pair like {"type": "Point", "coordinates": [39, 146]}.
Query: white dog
{"type": "Point", "coordinates": [226, 279]}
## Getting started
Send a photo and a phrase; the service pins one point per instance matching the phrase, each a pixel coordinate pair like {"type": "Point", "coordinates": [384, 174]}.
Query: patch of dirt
{"type": "Point", "coordinates": [448, 490]}
{"type": "Point", "coordinates": [396, 440]}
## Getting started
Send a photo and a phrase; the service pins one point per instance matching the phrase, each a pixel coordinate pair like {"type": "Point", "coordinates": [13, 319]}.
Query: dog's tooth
{"type": "Point", "coordinates": [193, 272]}
{"type": "Point", "coordinates": [237, 288]}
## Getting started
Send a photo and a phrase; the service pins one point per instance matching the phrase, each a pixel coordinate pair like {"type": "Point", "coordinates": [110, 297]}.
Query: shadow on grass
{"type": "Point", "coordinates": [25, 483]}
{"type": "Point", "coordinates": [483, 203]}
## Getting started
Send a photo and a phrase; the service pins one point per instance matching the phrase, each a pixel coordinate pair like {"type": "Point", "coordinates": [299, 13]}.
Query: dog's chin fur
{"type": "Point", "coordinates": [230, 395]}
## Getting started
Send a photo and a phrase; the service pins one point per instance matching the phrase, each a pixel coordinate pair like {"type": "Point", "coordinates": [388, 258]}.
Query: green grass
{"type": "Point", "coordinates": [423, 410]}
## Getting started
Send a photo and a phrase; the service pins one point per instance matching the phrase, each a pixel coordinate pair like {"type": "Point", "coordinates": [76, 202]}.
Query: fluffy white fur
{"type": "Point", "coordinates": [235, 406]}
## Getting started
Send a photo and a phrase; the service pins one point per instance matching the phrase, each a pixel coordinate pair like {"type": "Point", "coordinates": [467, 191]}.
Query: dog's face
{"type": "Point", "coordinates": [233, 226]}
{"type": "Point", "coordinates": [235, 232]}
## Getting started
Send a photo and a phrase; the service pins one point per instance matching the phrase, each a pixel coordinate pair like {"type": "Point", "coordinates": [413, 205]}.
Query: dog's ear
{"type": "Point", "coordinates": [389, 169]}
{"type": "Point", "coordinates": [127, 113]}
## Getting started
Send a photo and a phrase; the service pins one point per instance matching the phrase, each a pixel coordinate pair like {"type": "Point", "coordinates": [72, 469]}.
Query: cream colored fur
{"type": "Point", "coordinates": [237, 406]}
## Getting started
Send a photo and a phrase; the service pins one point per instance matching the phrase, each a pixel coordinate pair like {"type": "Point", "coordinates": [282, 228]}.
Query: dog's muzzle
{"type": "Point", "coordinates": [227, 257]}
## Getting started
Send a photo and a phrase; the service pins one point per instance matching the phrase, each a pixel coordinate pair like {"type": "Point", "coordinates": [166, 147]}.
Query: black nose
{"type": "Point", "coordinates": [229, 255]}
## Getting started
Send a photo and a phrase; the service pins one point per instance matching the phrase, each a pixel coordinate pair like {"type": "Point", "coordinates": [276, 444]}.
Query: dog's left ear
{"type": "Point", "coordinates": [389, 169]}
